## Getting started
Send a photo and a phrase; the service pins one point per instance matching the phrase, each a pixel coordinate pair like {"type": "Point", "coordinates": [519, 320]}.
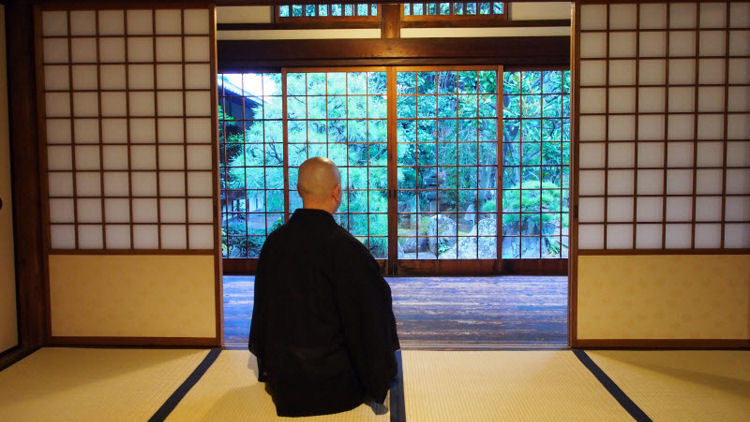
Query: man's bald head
{"type": "Point", "coordinates": [319, 183]}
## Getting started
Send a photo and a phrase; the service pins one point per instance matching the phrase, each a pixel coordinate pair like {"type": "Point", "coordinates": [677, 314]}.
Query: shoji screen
{"type": "Point", "coordinates": [663, 170]}
{"type": "Point", "coordinates": [127, 99]}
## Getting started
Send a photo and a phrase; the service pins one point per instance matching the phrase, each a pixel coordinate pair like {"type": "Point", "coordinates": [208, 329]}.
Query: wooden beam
{"type": "Point", "coordinates": [509, 51]}
{"type": "Point", "coordinates": [390, 20]}
{"type": "Point", "coordinates": [22, 119]}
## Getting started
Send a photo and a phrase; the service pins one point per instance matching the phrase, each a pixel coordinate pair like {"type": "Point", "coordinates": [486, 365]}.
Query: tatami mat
{"type": "Point", "coordinates": [62, 384]}
{"type": "Point", "coordinates": [504, 386]}
{"type": "Point", "coordinates": [230, 391]}
{"type": "Point", "coordinates": [685, 385]}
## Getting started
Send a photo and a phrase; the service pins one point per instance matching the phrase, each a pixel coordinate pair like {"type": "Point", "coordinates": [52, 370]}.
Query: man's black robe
{"type": "Point", "coordinates": [323, 328]}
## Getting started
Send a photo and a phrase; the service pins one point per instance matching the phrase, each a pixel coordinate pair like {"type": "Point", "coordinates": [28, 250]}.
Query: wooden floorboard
{"type": "Point", "coordinates": [445, 311]}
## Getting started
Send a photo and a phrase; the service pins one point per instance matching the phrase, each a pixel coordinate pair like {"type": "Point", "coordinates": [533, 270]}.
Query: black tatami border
{"type": "Point", "coordinates": [619, 395]}
{"type": "Point", "coordinates": [397, 405]}
{"type": "Point", "coordinates": [173, 400]}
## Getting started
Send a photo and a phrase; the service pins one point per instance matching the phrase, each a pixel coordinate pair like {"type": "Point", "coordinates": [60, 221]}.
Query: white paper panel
{"type": "Point", "coordinates": [650, 182]}
{"type": "Point", "coordinates": [168, 49]}
{"type": "Point", "coordinates": [198, 130]}
{"type": "Point", "coordinates": [679, 182]}
{"type": "Point", "coordinates": [118, 236]}
{"type": "Point", "coordinates": [650, 154]}
{"type": "Point", "coordinates": [196, 21]}
{"type": "Point", "coordinates": [652, 72]}
{"type": "Point", "coordinates": [621, 100]}
{"type": "Point", "coordinates": [171, 130]}
{"type": "Point", "coordinates": [591, 155]}
{"type": "Point", "coordinates": [653, 44]}
{"type": "Point", "coordinates": [58, 131]}
{"type": "Point", "coordinates": [171, 157]}
{"type": "Point", "coordinates": [711, 71]}
{"type": "Point", "coordinates": [112, 76]}
{"type": "Point", "coordinates": [141, 103]}
{"type": "Point", "coordinates": [651, 100]}
{"type": "Point", "coordinates": [142, 130]}
{"type": "Point", "coordinates": [623, 16]}
{"type": "Point", "coordinates": [112, 50]}
{"type": "Point", "coordinates": [739, 98]}
{"type": "Point", "coordinates": [57, 104]}
{"type": "Point", "coordinates": [682, 15]}
{"type": "Point", "coordinates": [115, 157]}
{"type": "Point", "coordinates": [591, 182]}
{"type": "Point", "coordinates": [738, 154]}
{"type": "Point", "coordinates": [621, 72]}
{"type": "Point", "coordinates": [88, 184]}
{"type": "Point", "coordinates": [680, 154]}
{"type": "Point", "coordinates": [620, 182]}
{"type": "Point", "coordinates": [680, 127]}
{"type": "Point", "coordinates": [739, 43]}
{"type": "Point", "coordinates": [678, 236]}
{"type": "Point", "coordinates": [145, 236]}
{"type": "Point", "coordinates": [201, 236]}
{"type": "Point", "coordinates": [143, 157]}
{"type": "Point", "coordinates": [168, 22]}
{"type": "Point", "coordinates": [739, 71]}
{"type": "Point", "coordinates": [681, 99]}
{"type": "Point", "coordinates": [140, 22]}
{"type": "Point", "coordinates": [710, 126]}
{"type": "Point", "coordinates": [649, 209]}
{"type": "Point", "coordinates": [111, 22]}
{"type": "Point", "coordinates": [619, 236]}
{"type": "Point", "coordinates": [711, 99]}
{"type": "Point", "coordinates": [653, 16]}
{"type": "Point", "coordinates": [679, 208]}
{"type": "Point", "coordinates": [650, 127]}
{"type": "Point", "coordinates": [591, 210]}
{"type": "Point", "coordinates": [648, 236]}
{"type": "Point", "coordinates": [85, 77]}
{"type": "Point", "coordinates": [172, 210]}
{"type": "Point", "coordinates": [145, 210]}
{"type": "Point", "coordinates": [708, 181]}
{"type": "Point", "coordinates": [83, 50]}
{"type": "Point", "coordinates": [708, 208]}
{"type": "Point", "coordinates": [198, 103]}
{"type": "Point", "coordinates": [114, 104]}
{"type": "Point", "coordinates": [708, 236]}
{"type": "Point", "coordinates": [141, 76]}
{"type": "Point", "coordinates": [55, 50]}
{"type": "Point", "coordinates": [593, 45]}
{"type": "Point", "coordinates": [87, 157]}
{"type": "Point", "coordinates": [59, 158]}
{"type": "Point", "coordinates": [737, 236]}
{"type": "Point", "coordinates": [172, 183]}
{"type": "Point", "coordinates": [621, 128]}
{"type": "Point", "coordinates": [173, 237]}
{"type": "Point", "coordinates": [197, 49]}
{"type": "Point", "coordinates": [62, 236]}
{"type": "Point", "coordinates": [54, 23]}
{"type": "Point", "coordinates": [199, 157]}
{"type": "Point", "coordinates": [144, 183]}
{"type": "Point", "coordinates": [712, 43]}
{"type": "Point", "coordinates": [90, 237]}
{"type": "Point", "coordinates": [117, 210]}
{"type": "Point", "coordinates": [140, 49]}
{"type": "Point", "coordinates": [170, 104]}
{"type": "Point", "coordinates": [738, 181]}
{"type": "Point", "coordinates": [56, 77]}
{"type": "Point", "coordinates": [114, 130]}
{"type": "Point", "coordinates": [89, 210]}
{"type": "Point", "coordinates": [737, 208]}
{"type": "Point", "coordinates": [200, 210]}
{"type": "Point", "coordinates": [200, 183]}
{"type": "Point", "coordinates": [710, 154]}
{"type": "Point", "coordinates": [681, 71]}
{"type": "Point", "coordinates": [738, 126]}
{"type": "Point", "coordinates": [622, 44]}
{"type": "Point", "coordinates": [197, 76]}
{"type": "Point", "coordinates": [60, 184]}
{"type": "Point", "coordinates": [591, 236]}
{"type": "Point", "coordinates": [116, 184]}
{"type": "Point", "coordinates": [85, 104]}
{"type": "Point", "coordinates": [594, 16]}
{"type": "Point", "coordinates": [682, 44]}
{"type": "Point", "coordinates": [592, 128]}
{"type": "Point", "coordinates": [739, 15]}
{"type": "Point", "coordinates": [86, 131]}
{"type": "Point", "coordinates": [622, 155]}
{"type": "Point", "coordinates": [620, 210]}
{"type": "Point", "coordinates": [169, 76]}
{"type": "Point", "coordinates": [61, 210]}
{"type": "Point", "coordinates": [713, 15]}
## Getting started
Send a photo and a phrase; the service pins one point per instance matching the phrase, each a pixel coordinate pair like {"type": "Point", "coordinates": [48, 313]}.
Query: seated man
{"type": "Point", "coordinates": [323, 329]}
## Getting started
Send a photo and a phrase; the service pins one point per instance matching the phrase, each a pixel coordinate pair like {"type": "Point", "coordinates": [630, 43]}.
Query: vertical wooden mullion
{"type": "Point", "coordinates": [367, 151]}
{"type": "Point", "coordinates": [73, 144]}
{"type": "Point", "coordinates": [156, 131]}
{"type": "Point", "coordinates": [219, 285]}
{"type": "Point", "coordinates": [184, 123]}
{"type": "Point", "coordinates": [101, 144]}
{"type": "Point", "coordinates": [726, 130]}
{"type": "Point", "coordinates": [392, 152]}
{"type": "Point", "coordinates": [666, 132]}
{"type": "Point", "coordinates": [499, 173]}
{"type": "Point", "coordinates": [127, 128]}
{"type": "Point", "coordinates": [285, 141]}
{"type": "Point", "coordinates": [245, 190]}
{"type": "Point", "coordinates": [637, 121]}
{"type": "Point", "coordinates": [521, 143]}
{"type": "Point", "coordinates": [606, 133]}
{"type": "Point", "coordinates": [696, 97]}
{"type": "Point", "coordinates": [265, 165]}
{"type": "Point", "coordinates": [541, 160]}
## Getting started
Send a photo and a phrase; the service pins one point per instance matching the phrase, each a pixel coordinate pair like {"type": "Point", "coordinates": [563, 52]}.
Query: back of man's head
{"type": "Point", "coordinates": [319, 184]}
